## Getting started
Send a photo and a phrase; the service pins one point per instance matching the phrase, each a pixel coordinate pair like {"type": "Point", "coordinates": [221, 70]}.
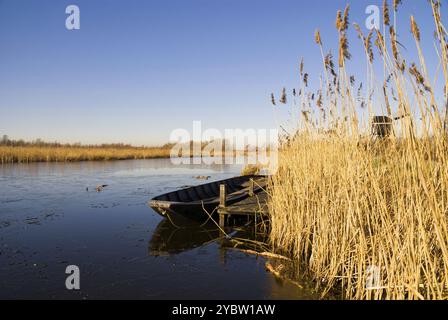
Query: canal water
{"type": "Point", "coordinates": [51, 217]}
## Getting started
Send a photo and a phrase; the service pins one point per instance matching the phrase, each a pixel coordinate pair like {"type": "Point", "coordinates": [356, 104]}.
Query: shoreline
{"type": "Point", "coordinates": [70, 154]}
{"type": "Point", "coordinates": [29, 154]}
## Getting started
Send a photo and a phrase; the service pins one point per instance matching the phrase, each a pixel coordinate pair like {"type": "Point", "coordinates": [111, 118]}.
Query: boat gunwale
{"type": "Point", "coordinates": [166, 204]}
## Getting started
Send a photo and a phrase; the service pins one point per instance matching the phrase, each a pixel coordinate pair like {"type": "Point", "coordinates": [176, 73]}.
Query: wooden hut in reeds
{"type": "Point", "coordinates": [382, 126]}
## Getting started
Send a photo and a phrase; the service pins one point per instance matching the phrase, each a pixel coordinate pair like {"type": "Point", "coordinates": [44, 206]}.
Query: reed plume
{"type": "Point", "coordinates": [344, 202]}
{"type": "Point", "coordinates": [352, 80]}
{"type": "Point", "coordinates": [415, 29]}
{"type": "Point", "coordinates": [396, 4]}
{"type": "Point", "coordinates": [344, 54]}
{"type": "Point", "coordinates": [359, 31]}
{"type": "Point", "coordinates": [342, 23]}
{"type": "Point", "coordinates": [329, 64]}
{"type": "Point", "coordinates": [379, 42]}
{"type": "Point", "coordinates": [283, 98]}
{"type": "Point", "coordinates": [386, 16]}
{"type": "Point", "coordinates": [393, 43]}
{"type": "Point", "coordinates": [301, 67]}
{"type": "Point", "coordinates": [345, 20]}
{"type": "Point", "coordinates": [368, 46]}
{"type": "Point", "coordinates": [339, 22]}
{"type": "Point", "coordinates": [273, 99]}
{"type": "Point", "coordinates": [419, 79]}
{"type": "Point", "coordinates": [305, 79]}
{"type": "Point", "coordinates": [319, 101]}
{"type": "Point", "coordinates": [317, 37]}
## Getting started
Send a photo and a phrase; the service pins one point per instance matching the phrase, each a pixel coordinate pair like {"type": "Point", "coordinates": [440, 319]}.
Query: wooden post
{"type": "Point", "coordinates": [222, 196]}
{"type": "Point", "coordinates": [222, 204]}
{"type": "Point", "coordinates": [251, 187]}
{"type": "Point", "coordinates": [221, 220]}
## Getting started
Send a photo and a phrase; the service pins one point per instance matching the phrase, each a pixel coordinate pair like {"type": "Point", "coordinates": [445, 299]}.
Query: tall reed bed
{"type": "Point", "coordinates": [26, 154]}
{"type": "Point", "coordinates": [368, 218]}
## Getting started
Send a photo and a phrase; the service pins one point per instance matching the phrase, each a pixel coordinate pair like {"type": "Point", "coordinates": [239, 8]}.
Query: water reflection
{"type": "Point", "coordinates": [168, 239]}
{"type": "Point", "coordinates": [118, 168]}
{"type": "Point", "coordinates": [48, 220]}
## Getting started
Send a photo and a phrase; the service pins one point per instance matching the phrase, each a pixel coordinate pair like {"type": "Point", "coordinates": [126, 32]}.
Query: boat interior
{"type": "Point", "coordinates": [210, 191]}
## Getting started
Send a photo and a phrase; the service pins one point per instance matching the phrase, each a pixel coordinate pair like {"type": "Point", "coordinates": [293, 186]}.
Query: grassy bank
{"type": "Point", "coordinates": [54, 152]}
{"type": "Point", "coordinates": [369, 218]}
{"type": "Point", "coordinates": [26, 154]}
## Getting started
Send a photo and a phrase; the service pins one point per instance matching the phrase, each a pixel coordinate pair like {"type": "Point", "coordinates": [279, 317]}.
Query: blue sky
{"type": "Point", "coordinates": [136, 70]}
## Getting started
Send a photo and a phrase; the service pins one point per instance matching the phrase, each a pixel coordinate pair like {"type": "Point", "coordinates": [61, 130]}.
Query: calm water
{"type": "Point", "coordinates": [48, 220]}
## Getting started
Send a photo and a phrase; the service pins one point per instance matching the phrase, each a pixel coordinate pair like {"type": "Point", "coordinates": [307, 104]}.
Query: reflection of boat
{"type": "Point", "coordinates": [167, 239]}
{"type": "Point", "coordinates": [189, 204]}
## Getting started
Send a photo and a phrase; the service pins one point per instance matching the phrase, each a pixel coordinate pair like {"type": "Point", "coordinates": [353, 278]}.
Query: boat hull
{"type": "Point", "coordinates": [198, 209]}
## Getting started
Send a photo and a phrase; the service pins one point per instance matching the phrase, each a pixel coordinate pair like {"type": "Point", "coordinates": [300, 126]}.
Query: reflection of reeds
{"type": "Point", "coordinates": [343, 205]}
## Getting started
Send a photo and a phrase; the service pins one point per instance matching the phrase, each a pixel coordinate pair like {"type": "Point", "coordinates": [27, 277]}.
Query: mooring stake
{"type": "Point", "coordinates": [222, 196]}
{"type": "Point", "coordinates": [251, 187]}
{"type": "Point", "coordinates": [222, 204]}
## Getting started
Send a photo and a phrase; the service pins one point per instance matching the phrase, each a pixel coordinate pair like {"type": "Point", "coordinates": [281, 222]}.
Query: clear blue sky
{"type": "Point", "coordinates": [138, 69]}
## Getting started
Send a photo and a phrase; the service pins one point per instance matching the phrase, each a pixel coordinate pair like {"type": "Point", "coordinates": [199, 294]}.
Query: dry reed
{"type": "Point", "coordinates": [26, 154]}
{"type": "Point", "coordinates": [364, 217]}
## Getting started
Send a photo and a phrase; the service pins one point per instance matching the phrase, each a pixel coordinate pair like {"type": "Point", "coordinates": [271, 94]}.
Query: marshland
{"type": "Point", "coordinates": [19, 151]}
{"type": "Point", "coordinates": [48, 220]}
{"type": "Point", "coordinates": [358, 206]}
{"type": "Point", "coordinates": [366, 216]}
{"type": "Point", "coordinates": [27, 154]}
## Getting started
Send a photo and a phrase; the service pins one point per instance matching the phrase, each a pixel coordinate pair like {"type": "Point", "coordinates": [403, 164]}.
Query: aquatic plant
{"type": "Point", "coordinates": [367, 217]}
{"type": "Point", "coordinates": [26, 154]}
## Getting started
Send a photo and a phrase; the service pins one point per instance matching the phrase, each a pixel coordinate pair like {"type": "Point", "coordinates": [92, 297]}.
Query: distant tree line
{"type": "Point", "coordinates": [6, 141]}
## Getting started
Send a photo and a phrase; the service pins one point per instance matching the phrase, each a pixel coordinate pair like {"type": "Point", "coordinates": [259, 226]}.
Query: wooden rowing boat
{"type": "Point", "coordinates": [189, 204]}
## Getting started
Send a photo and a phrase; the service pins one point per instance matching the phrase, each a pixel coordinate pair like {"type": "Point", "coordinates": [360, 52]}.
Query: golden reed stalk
{"type": "Point", "coordinates": [28, 154]}
{"type": "Point", "coordinates": [345, 205]}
